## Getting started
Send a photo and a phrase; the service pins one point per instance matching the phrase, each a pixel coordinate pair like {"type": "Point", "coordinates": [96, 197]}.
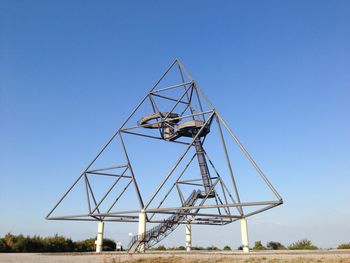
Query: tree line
{"type": "Point", "coordinates": [56, 243]}
{"type": "Point", "coordinates": [303, 244]}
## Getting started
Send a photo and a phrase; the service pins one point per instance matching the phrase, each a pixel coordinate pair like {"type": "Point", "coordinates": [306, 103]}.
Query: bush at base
{"type": "Point", "coordinates": [344, 246]}
{"type": "Point", "coordinates": [258, 246]}
{"type": "Point", "coordinates": [227, 248]}
{"type": "Point", "coordinates": [275, 245]}
{"type": "Point", "coordinates": [56, 243]}
{"type": "Point", "coordinates": [302, 244]}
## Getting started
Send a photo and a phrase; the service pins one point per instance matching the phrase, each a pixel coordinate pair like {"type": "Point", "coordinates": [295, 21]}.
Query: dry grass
{"type": "Point", "coordinates": [219, 259]}
{"type": "Point", "coordinates": [325, 256]}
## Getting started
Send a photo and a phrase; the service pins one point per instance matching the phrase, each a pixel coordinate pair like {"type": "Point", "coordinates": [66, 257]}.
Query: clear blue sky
{"type": "Point", "coordinates": [278, 71]}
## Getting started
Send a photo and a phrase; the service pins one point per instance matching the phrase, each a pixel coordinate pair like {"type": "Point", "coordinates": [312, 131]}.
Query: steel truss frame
{"type": "Point", "coordinates": [195, 214]}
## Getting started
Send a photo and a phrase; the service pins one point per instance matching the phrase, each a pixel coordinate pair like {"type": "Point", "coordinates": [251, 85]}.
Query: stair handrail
{"type": "Point", "coordinates": [145, 237]}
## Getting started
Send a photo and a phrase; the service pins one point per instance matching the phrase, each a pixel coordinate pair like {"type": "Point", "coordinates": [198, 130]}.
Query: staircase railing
{"type": "Point", "coordinates": [157, 233]}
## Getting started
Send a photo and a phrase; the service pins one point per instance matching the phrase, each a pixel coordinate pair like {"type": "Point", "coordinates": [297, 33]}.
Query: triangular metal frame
{"type": "Point", "coordinates": [206, 112]}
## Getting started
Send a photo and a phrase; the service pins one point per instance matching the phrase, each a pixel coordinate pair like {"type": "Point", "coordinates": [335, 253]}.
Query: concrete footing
{"type": "Point", "coordinates": [188, 237]}
{"type": "Point", "coordinates": [244, 233]}
{"type": "Point", "coordinates": [99, 240]}
{"type": "Point", "coordinates": [142, 230]}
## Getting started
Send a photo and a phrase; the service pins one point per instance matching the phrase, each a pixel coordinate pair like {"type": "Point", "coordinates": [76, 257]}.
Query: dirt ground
{"type": "Point", "coordinates": [330, 256]}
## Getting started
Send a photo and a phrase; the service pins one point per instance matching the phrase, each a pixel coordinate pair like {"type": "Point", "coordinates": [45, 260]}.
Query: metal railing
{"type": "Point", "coordinates": [157, 233]}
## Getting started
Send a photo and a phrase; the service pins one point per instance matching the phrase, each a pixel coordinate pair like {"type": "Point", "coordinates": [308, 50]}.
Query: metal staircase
{"type": "Point", "coordinates": [159, 232]}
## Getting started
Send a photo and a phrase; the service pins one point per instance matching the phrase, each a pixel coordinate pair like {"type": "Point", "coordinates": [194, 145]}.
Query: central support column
{"type": "Point", "coordinates": [188, 237]}
{"type": "Point", "coordinates": [142, 231]}
{"type": "Point", "coordinates": [99, 239]}
{"type": "Point", "coordinates": [244, 233]}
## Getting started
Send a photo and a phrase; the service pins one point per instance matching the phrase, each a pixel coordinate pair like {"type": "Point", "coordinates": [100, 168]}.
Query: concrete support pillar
{"type": "Point", "coordinates": [99, 240]}
{"type": "Point", "coordinates": [188, 237]}
{"type": "Point", "coordinates": [244, 233]}
{"type": "Point", "coordinates": [142, 230]}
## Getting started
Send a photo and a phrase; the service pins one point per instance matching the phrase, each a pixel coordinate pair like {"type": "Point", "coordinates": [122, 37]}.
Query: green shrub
{"type": "Point", "coordinates": [258, 246]}
{"type": "Point", "coordinates": [58, 244]}
{"type": "Point", "coordinates": [212, 247]}
{"type": "Point", "coordinates": [302, 244]}
{"type": "Point", "coordinates": [197, 248]}
{"type": "Point", "coordinates": [176, 248]}
{"type": "Point", "coordinates": [227, 248]}
{"type": "Point", "coordinates": [344, 246]}
{"type": "Point", "coordinates": [16, 243]}
{"type": "Point", "coordinates": [86, 245]}
{"type": "Point", "coordinates": [275, 245]}
{"type": "Point", "coordinates": [35, 244]}
{"type": "Point", "coordinates": [10, 241]}
{"type": "Point", "coordinates": [161, 247]}
{"type": "Point", "coordinates": [109, 245]}
{"type": "Point", "coordinates": [3, 246]}
{"type": "Point", "coordinates": [20, 243]}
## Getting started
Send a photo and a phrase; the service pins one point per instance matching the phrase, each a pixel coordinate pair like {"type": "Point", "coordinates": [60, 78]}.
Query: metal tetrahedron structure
{"type": "Point", "coordinates": [193, 180]}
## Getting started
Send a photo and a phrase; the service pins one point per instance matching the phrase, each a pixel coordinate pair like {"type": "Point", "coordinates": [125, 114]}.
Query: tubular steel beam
{"type": "Point", "coordinates": [189, 98]}
{"type": "Point", "coordinates": [87, 193]}
{"type": "Point", "coordinates": [65, 194]}
{"type": "Point", "coordinates": [264, 209]}
{"type": "Point", "coordinates": [167, 98]}
{"type": "Point", "coordinates": [92, 194]}
{"type": "Point", "coordinates": [178, 101]}
{"type": "Point", "coordinates": [213, 206]}
{"type": "Point", "coordinates": [107, 174]}
{"type": "Point", "coordinates": [250, 158]}
{"type": "Point", "coordinates": [108, 191]}
{"type": "Point", "coordinates": [229, 164]}
{"type": "Point", "coordinates": [132, 173]}
{"type": "Point", "coordinates": [184, 69]}
{"type": "Point", "coordinates": [176, 209]}
{"type": "Point", "coordinates": [107, 168]}
{"type": "Point", "coordinates": [119, 196]}
{"type": "Point", "coordinates": [171, 87]}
